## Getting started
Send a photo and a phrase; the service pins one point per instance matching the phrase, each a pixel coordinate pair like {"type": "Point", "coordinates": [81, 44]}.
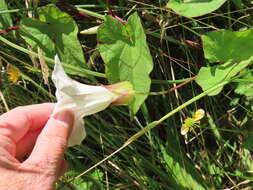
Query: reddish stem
{"type": "Point", "coordinates": [70, 9]}
{"type": "Point", "coordinates": [176, 59]}
{"type": "Point", "coordinates": [182, 84]}
{"type": "Point", "coordinates": [111, 13]}
{"type": "Point", "coordinates": [82, 14]}
{"type": "Point", "coordinates": [190, 43]}
{"type": "Point", "coordinates": [12, 28]}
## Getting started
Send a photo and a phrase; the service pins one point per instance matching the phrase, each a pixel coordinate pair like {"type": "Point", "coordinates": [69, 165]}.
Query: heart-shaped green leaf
{"type": "Point", "coordinates": [126, 54]}
{"type": "Point", "coordinates": [209, 77]}
{"type": "Point", "coordinates": [194, 8]}
{"type": "Point", "coordinates": [221, 46]}
{"type": "Point", "coordinates": [55, 32]}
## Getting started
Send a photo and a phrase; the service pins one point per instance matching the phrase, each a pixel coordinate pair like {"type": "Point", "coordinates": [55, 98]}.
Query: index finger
{"type": "Point", "coordinates": [16, 123]}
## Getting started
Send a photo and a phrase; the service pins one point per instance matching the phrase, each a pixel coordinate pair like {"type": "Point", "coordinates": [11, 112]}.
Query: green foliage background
{"type": "Point", "coordinates": [189, 54]}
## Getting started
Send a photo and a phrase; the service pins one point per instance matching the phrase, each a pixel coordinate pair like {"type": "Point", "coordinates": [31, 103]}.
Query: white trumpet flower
{"type": "Point", "coordinates": [82, 99]}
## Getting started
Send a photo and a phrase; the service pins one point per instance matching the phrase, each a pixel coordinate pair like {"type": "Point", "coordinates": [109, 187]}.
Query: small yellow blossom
{"type": "Point", "coordinates": [198, 115]}
{"type": "Point", "coordinates": [191, 122]}
{"type": "Point", "coordinates": [13, 73]}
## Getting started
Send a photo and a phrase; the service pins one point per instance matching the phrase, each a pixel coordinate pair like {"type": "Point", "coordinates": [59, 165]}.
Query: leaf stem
{"type": "Point", "coordinates": [187, 28]}
{"type": "Point", "coordinates": [91, 13]}
{"type": "Point", "coordinates": [51, 61]}
{"type": "Point", "coordinates": [154, 81]}
{"type": "Point", "coordinates": [167, 38]}
{"type": "Point", "coordinates": [95, 6]}
{"type": "Point", "coordinates": [15, 10]}
{"type": "Point", "coordinates": [27, 78]}
{"type": "Point", "coordinates": [152, 125]}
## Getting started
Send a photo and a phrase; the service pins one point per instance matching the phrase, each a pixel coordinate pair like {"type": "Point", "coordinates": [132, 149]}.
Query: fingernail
{"type": "Point", "coordinates": [65, 116]}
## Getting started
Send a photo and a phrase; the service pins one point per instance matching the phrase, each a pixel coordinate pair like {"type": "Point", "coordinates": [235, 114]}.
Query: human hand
{"type": "Point", "coordinates": [32, 130]}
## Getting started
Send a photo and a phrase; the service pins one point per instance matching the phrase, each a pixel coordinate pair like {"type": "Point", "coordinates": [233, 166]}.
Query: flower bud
{"type": "Point", "coordinates": [92, 30]}
{"type": "Point", "coordinates": [123, 93]}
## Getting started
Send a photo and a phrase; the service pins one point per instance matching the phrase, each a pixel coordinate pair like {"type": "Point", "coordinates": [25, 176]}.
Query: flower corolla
{"type": "Point", "coordinates": [84, 99]}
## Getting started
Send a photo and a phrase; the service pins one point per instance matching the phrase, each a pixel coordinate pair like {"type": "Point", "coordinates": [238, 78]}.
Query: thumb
{"type": "Point", "coordinates": [53, 140]}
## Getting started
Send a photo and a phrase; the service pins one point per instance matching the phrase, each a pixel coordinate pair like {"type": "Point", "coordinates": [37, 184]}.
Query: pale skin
{"type": "Point", "coordinates": [32, 144]}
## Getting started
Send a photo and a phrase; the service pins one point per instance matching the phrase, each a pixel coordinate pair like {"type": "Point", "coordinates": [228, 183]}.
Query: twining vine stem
{"type": "Point", "coordinates": [152, 125]}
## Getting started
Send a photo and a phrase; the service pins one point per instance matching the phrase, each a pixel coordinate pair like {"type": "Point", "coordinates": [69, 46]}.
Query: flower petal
{"type": "Point", "coordinates": [82, 99]}
{"type": "Point", "coordinates": [198, 115]}
{"type": "Point", "coordinates": [184, 129]}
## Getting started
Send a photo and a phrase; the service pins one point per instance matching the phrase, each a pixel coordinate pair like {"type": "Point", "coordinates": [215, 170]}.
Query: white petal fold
{"type": "Point", "coordinates": [80, 98]}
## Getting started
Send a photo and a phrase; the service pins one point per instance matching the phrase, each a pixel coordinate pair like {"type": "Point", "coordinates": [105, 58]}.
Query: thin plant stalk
{"type": "Point", "coordinates": [152, 125]}
{"type": "Point", "coordinates": [51, 61]}
{"type": "Point", "coordinates": [4, 101]}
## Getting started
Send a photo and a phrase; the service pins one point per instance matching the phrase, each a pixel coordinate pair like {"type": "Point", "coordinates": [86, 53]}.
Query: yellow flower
{"type": "Point", "coordinates": [191, 122]}
{"type": "Point", "coordinates": [198, 115]}
{"type": "Point", "coordinates": [13, 73]}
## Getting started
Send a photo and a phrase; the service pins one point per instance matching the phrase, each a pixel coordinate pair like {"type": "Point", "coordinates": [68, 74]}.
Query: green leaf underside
{"type": "Point", "coordinates": [245, 88]}
{"type": "Point", "coordinates": [126, 54]}
{"type": "Point", "coordinates": [221, 46]}
{"type": "Point", "coordinates": [55, 32]}
{"type": "Point", "coordinates": [194, 8]}
{"type": "Point", "coordinates": [5, 19]}
{"type": "Point", "coordinates": [209, 77]}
